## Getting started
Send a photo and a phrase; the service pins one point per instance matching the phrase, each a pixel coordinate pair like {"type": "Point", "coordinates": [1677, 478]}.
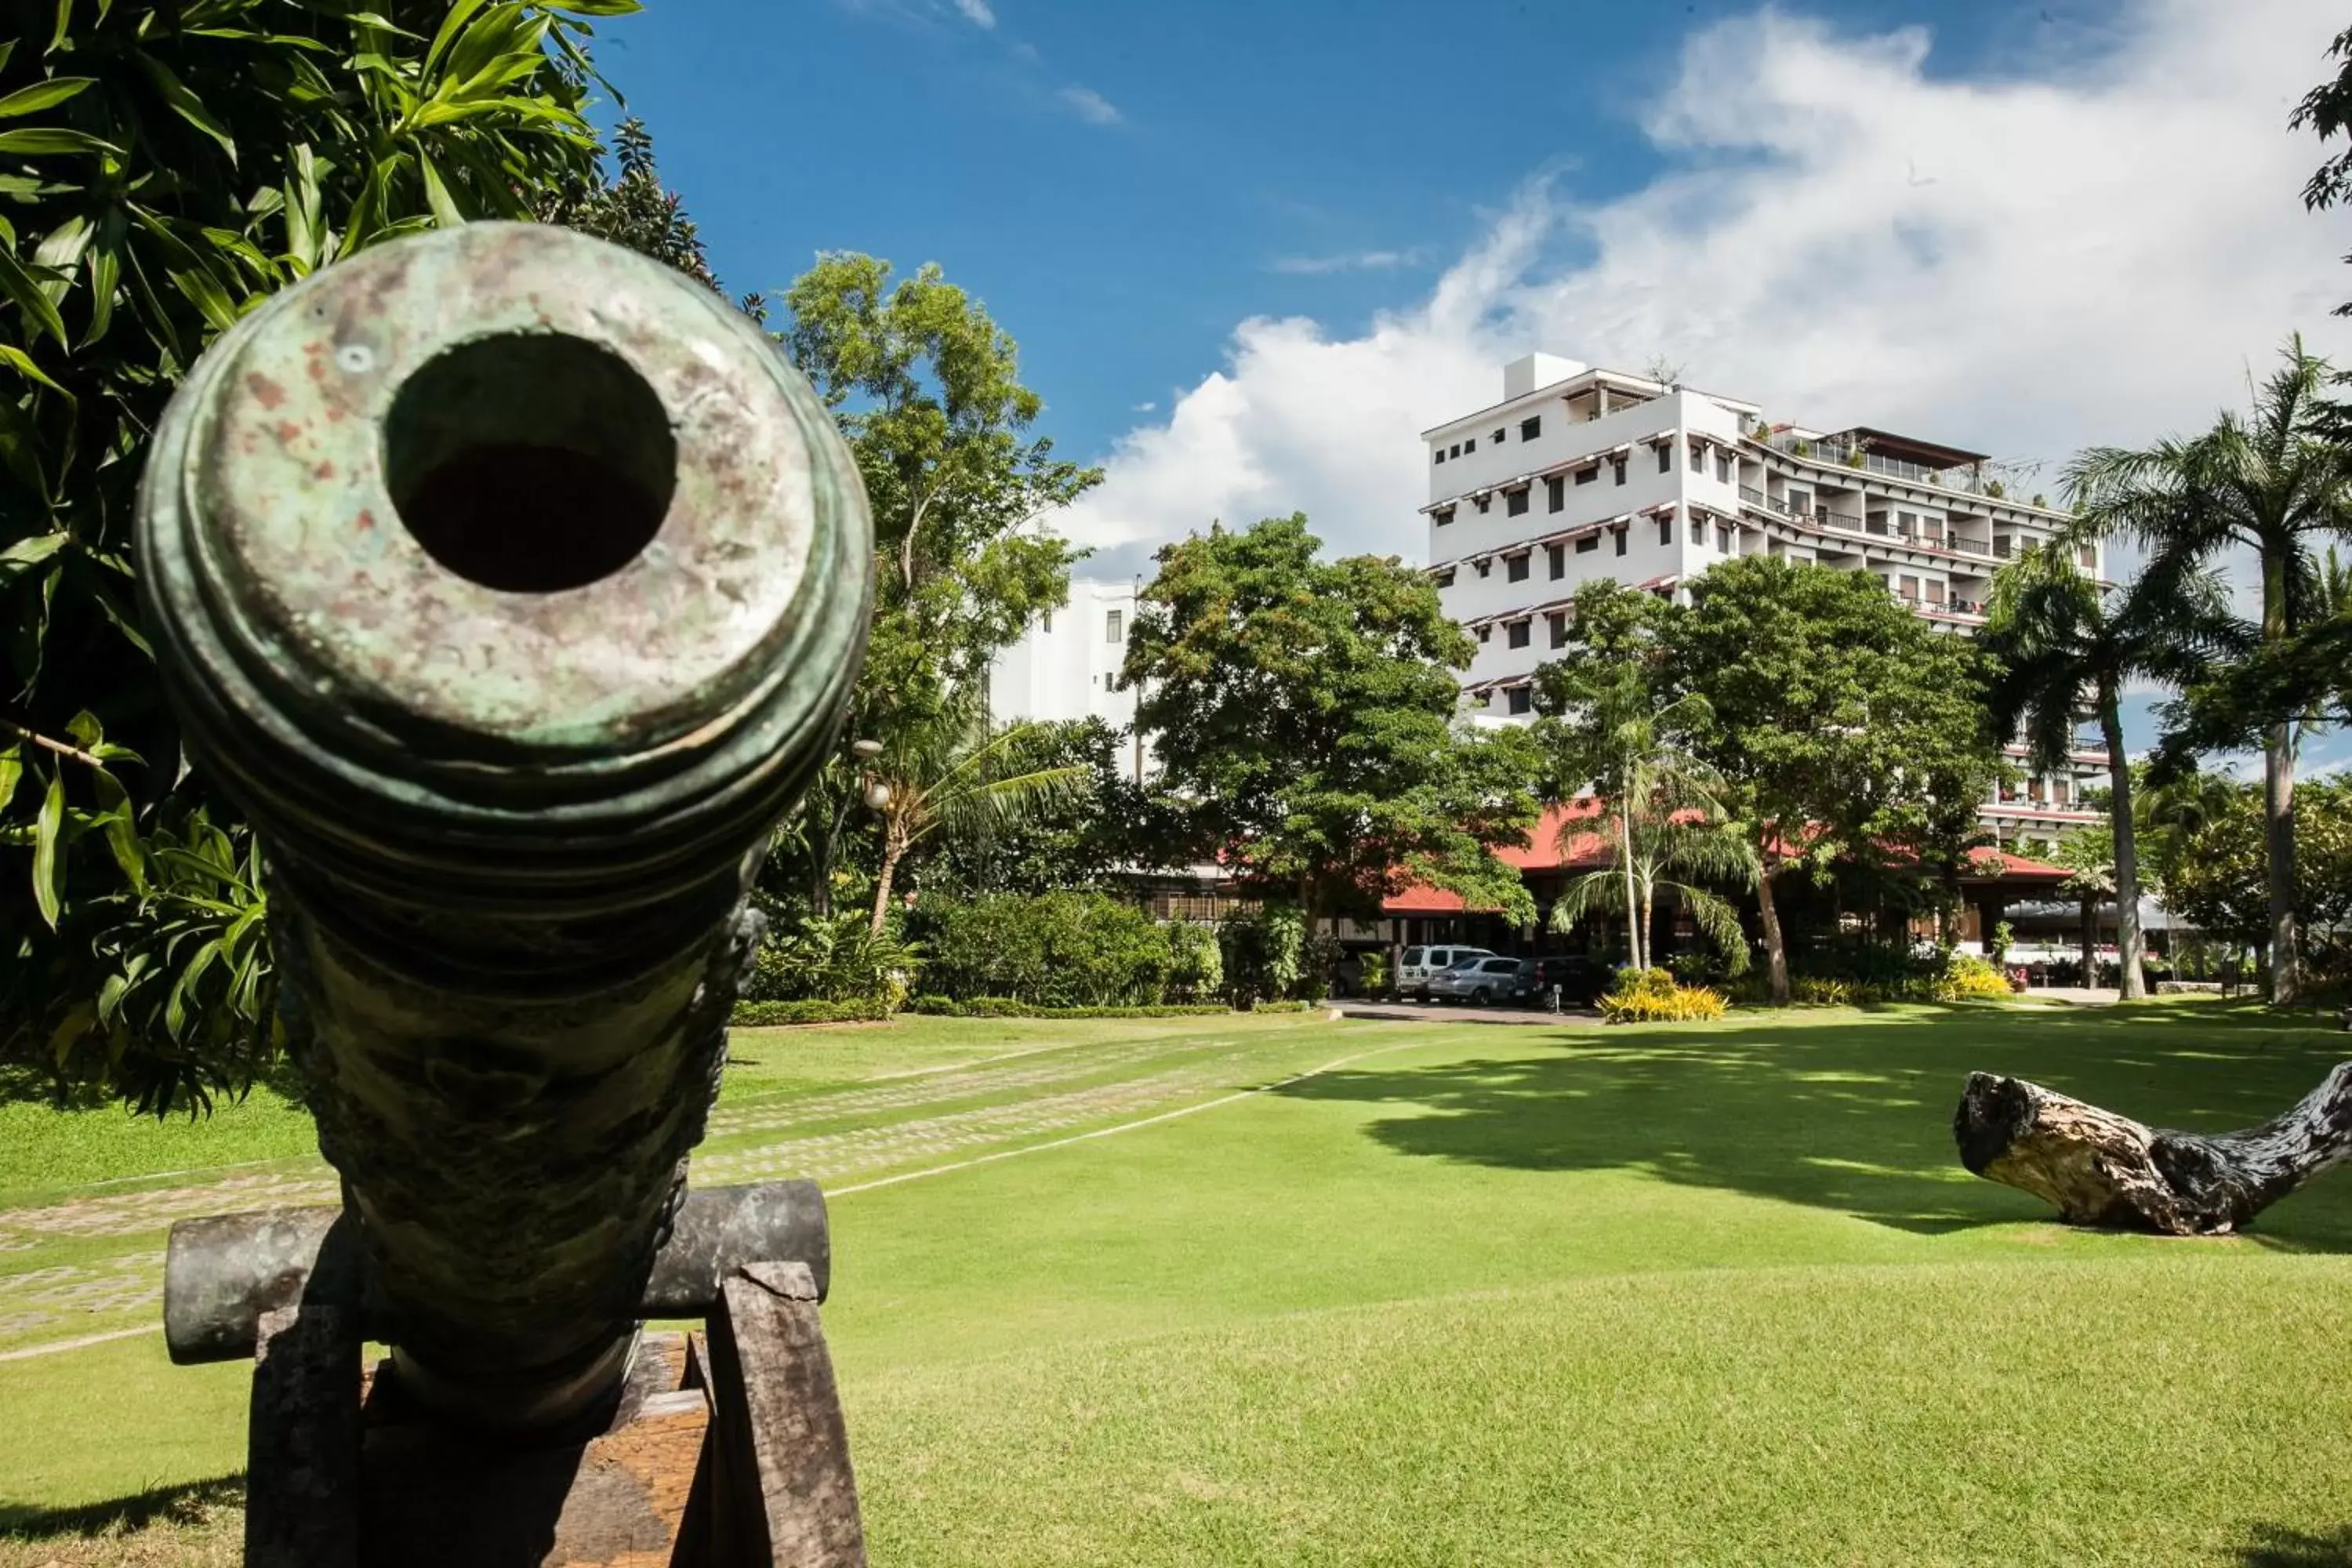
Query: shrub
{"type": "Point", "coordinates": [1374, 973]}
{"type": "Point", "coordinates": [1196, 963]}
{"type": "Point", "coordinates": [1821, 991]}
{"type": "Point", "coordinates": [1006, 1008]}
{"type": "Point", "coordinates": [836, 958]}
{"type": "Point", "coordinates": [1263, 951]}
{"type": "Point", "coordinates": [767, 1015]}
{"type": "Point", "coordinates": [1967, 978]}
{"type": "Point", "coordinates": [1652, 995]}
{"type": "Point", "coordinates": [1053, 949]}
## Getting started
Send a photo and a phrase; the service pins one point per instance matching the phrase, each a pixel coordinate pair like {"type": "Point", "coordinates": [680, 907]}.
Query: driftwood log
{"type": "Point", "coordinates": [2101, 1168]}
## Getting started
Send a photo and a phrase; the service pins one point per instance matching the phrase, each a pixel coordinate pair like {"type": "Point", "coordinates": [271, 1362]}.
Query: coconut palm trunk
{"type": "Point", "coordinates": [2128, 941]}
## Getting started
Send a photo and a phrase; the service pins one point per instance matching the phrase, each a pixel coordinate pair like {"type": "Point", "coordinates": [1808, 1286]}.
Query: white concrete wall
{"type": "Point", "coordinates": [1066, 666]}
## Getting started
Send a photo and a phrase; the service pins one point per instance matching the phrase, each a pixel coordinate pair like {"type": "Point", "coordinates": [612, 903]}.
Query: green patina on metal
{"type": "Point", "coordinates": [514, 585]}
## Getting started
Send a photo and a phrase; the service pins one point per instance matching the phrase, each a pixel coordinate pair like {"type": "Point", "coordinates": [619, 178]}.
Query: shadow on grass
{"type": "Point", "coordinates": [2273, 1546]}
{"type": "Point", "coordinates": [187, 1504]}
{"type": "Point", "coordinates": [1850, 1112]}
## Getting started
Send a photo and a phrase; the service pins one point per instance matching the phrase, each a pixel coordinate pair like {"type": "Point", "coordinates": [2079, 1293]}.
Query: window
{"type": "Point", "coordinates": [1723, 466]}
{"type": "Point", "coordinates": [1875, 521]}
{"type": "Point", "coordinates": [1559, 559]}
{"type": "Point", "coordinates": [1621, 535]}
{"type": "Point", "coordinates": [1558, 624]}
{"type": "Point", "coordinates": [1515, 569]}
{"type": "Point", "coordinates": [1588, 544]}
{"type": "Point", "coordinates": [1514, 504]}
{"type": "Point", "coordinates": [1909, 588]}
{"type": "Point", "coordinates": [1935, 590]}
{"type": "Point", "coordinates": [1907, 524]}
{"type": "Point", "coordinates": [2089, 556]}
{"type": "Point", "coordinates": [1454, 450]}
{"type": "Point", "coordinates": [1555, 493]}
{"type": "Point", "coordinates": [1481, 502]}
{"type": "Point", "coordinates": [1484, 633]}
{"type": "Point", "coordinates": [1484, 566]}
{"type": "Point", "coordinates": [1666, 530]}
{"type": "Point", "coordinates": [1438, 455]}
{"type": "Point", "coordinates": [1618, 465]}
{"type": "Point", "coordinates": [1446, 578]}
{"type": "Point", "coordinates": [1531, 429]}
{"type": "Point", "coordinates": [1471, 445]}
{"type": "Point", "coordinates": [1114, 626]}
{"type": "Point", "coordinates": [1723, 537]}
{"type": "Point", "coordinates": [1666, 456]}
{"type": "Point", "coordinates": [1697, 458]}
{"type": "Point", "coordinates": [1484, 699]}
{"type": "Point", "coordinates": [1586, 476]}
{"type": "Point", "coordinates": [1442, 516]}
{"type": "Point", "coordinates": [1520, 633]}
{"type": "Point", "coordinates": [1046, 623]}
{"type": "Point", "coordinates": [1522, 699]}
{"type": "Point", "coordinates": [1498, 438]}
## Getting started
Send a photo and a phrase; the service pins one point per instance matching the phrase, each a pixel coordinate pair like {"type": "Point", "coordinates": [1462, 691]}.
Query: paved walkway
{"type": "Point", "coordinates": [1440, 1013]}
{"type": "Point", "coordinates": [2077, 995]}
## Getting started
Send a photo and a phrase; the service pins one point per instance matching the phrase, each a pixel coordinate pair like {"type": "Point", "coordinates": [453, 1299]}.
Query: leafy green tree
{"type": "Point", "coordinates": [1613, 728]}
{"type": "Point", "coordinates": [2326, 111]}
{"type": "Point", "coordinates": [635, 209]}
{"type": "Point", "coordinates": [163, 168]}
{"type": "Point", "coordinates": [926, 390]}
{"type": "Point", "coordinates": [2277, 483]}
{"type": "Point", "coordinates": [1845, 727]}
{"type": "Point", "coordinates": [1304, 712]}
{"type": "Point", "coordinates": [2093, 877]}
{"type": "Point", "coordinates": [2215, 874]}
{"type": "Point", "coordinates": [1079, 840]}
{"type": "Point", "coordinates": [2061, 641]}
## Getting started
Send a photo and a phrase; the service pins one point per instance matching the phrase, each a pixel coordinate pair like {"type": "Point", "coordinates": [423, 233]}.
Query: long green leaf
{"type": "Point", "coordinates": [47, 884]}
{"type": "Point", "coordinates": [186, 104]}
{"type": "Point", "coordinates": [28, 552]}
{"type": "Point", "coordinates": [32, 141]}
{"type": "Point", "coordinates": [42, 95]}
{"type": "Point", "coordinates": [12, 771]}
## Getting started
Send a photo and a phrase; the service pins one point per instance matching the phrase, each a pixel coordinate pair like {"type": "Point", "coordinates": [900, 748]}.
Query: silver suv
{"type": "Point", "coordinates": [1420, 963]}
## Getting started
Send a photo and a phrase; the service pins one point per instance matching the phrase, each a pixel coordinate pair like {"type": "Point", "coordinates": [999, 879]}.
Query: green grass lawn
{"type": "Point", "coordinates": [1441, 1294]}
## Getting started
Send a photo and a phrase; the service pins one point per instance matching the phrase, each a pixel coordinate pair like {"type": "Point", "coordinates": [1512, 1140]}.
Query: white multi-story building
{"type": "Point", "coordinates": [1066, 664]}
{"type": "Point", "coordinates": [1582, 473]}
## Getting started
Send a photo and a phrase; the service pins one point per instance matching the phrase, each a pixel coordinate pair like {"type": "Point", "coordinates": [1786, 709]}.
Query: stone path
{"type": "Point", "coordinates": [903, 1121]}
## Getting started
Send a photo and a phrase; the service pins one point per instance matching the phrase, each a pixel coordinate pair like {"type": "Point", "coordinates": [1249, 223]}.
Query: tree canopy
{"type": "Point", "coordinates": [1846, 728]}
{"type": "Point", "coordinates": [1304, 716]}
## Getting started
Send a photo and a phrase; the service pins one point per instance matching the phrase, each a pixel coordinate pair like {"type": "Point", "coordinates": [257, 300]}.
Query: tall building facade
{"type": "Point", "coordinates": [1580, 473]}
{"type": "Point", "coordinates": [1067, 665]}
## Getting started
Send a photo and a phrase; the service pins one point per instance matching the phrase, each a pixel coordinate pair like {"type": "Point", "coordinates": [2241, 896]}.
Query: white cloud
{"type": "Point", "coordinates": [976, 12]}
{"type": "Point", "coordinates": [2088, 249]}
{"type": "Point", "coordinates": [1352, 261]}
{"type": "Point", "coordinates": [1090, 105]}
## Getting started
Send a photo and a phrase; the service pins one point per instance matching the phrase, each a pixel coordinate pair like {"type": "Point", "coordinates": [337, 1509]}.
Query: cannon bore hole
{"type": "Point", "coordinates": [529, 462]}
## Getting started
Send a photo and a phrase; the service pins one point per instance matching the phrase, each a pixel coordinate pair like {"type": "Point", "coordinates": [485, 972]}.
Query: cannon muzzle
{"type": "Point", "coordinates": [513, 585]}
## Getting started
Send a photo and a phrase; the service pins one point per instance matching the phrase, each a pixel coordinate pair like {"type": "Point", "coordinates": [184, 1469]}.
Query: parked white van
{"type": "Point", "coordinates": [1419, 963]}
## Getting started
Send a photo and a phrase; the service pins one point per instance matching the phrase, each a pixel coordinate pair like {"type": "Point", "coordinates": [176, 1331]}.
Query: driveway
{"type": "Point", "coordinates": [1438, 1013]}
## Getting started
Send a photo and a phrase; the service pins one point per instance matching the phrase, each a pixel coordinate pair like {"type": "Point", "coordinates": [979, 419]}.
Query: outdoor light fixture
{"type": "Point", "coordinates": [876, 793]}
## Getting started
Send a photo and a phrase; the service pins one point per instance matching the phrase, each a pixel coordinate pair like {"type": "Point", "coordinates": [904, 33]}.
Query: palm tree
{"type": "Point", "coordinates": [1613, 738]}
{"type": "Point", "coordinates": [2274, 482]}
{"type": "Point", "coordinates": [2060, 638]}
{"type": "Point", "coordinates": [1673, 853]}
{"type": "Point", "coordinates": [953, 774]}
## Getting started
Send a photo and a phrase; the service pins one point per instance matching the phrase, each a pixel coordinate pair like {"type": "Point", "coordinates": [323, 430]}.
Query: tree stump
{"type": "Point", "coordinates": [2101, 1168]}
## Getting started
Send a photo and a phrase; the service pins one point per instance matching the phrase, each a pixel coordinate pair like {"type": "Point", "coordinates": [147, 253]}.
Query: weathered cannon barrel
{"type": "Point", "coordinates": [513, 585]}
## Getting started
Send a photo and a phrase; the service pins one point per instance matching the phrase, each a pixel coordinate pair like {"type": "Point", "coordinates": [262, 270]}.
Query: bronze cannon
{"type": "Point", "coordinates": [513, 586]}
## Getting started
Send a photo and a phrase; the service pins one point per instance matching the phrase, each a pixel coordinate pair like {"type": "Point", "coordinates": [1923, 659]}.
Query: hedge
{"type": "Point", "coordinates": [768, 1014]}
{"type": "Point", "coordinates": [1009, 1007]}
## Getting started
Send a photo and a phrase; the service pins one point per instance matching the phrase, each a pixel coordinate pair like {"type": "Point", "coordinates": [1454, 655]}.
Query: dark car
{"type": "Point", "coordinates": [1581, 980]}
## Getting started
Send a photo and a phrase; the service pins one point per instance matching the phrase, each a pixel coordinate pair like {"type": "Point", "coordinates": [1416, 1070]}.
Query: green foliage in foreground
{"type": "Point", "coordinates": [1691, 1296]}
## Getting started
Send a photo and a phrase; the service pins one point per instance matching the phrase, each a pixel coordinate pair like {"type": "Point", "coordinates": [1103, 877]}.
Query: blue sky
{"type": "Point", "coordinates": [1123, 184]}
{"type": "Point", "coordinates": [1250, 250]}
